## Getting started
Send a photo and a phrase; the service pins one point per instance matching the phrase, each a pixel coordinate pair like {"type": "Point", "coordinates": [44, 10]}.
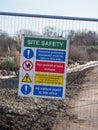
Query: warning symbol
{"type": "Point", "coordinates": [26, 78]}
{"type": "Point", "coordinates": [27, 65]}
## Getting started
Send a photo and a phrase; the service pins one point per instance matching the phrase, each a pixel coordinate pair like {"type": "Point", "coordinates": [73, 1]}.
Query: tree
{"type": "Point", "coordinates": [24, 32]}
{"type": "Point", "coordinates": [83, 38]}
{"type": "Point", "coordinates": [7, 43]}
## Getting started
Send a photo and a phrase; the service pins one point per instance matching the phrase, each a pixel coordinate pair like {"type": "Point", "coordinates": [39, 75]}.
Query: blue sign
{"type": "Point", "coordinates": [26, 89]}
{"type": "Point", "coordinates": [52, 91]}
{"type": "Point", "coordinates": [28, 53]}
{"type": "Point", "coordinates": [50, 55]}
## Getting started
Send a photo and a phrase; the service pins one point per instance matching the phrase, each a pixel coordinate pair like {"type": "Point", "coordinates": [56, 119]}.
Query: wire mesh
{"type": "Point", "coordinates": [78, 111]}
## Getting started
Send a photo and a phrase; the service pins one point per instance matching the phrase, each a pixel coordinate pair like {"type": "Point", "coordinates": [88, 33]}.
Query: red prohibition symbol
{"type": "Point", "coordinates": [27, 65]}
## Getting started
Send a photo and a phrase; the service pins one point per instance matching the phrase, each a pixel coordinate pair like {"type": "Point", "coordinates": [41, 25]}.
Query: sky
{"type": "Point", "coordinates": [74, 8]}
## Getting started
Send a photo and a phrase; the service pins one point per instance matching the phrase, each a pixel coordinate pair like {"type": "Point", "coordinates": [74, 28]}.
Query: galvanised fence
{"type": "Point", "coordinates": [78, 111]}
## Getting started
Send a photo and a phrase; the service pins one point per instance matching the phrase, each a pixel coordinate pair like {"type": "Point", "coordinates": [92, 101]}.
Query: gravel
{"type": "Point", "coordinates": [22, 113]}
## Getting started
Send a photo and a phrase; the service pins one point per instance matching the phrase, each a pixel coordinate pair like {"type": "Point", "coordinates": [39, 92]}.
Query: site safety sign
{"type": "Point", "coordinates": [43, 67]}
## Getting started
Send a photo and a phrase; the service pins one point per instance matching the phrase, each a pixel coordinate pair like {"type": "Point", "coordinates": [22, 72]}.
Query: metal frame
{"type": "Point", "coordinates": [49, 16]}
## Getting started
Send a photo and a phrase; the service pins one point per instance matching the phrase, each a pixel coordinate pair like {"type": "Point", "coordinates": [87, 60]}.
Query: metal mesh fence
{"type": "Point", "coordinates": [78, 111]}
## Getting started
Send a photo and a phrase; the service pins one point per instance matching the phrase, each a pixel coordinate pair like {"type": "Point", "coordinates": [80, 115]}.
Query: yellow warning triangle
{"type": "Point", "coordinates": [26, 78]}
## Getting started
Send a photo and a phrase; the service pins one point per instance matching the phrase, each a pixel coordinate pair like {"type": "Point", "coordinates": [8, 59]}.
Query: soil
{"type": "Point", "coordinates": [21, 113]}
{"type": "Point", "coordinates": [83, 108]}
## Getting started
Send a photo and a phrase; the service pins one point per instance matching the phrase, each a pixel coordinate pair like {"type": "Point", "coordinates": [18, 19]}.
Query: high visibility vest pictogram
{"type": "Point", "coordinates": [26, 78]}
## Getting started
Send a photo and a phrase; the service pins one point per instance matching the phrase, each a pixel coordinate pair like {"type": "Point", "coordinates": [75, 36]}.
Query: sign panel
{"type": "Point", "coordinates": [53, 79]}
{"type": "Point", "coordinates": [45, 43]}
{"type": "Point", "coordinates": [43, 67]}
{"type": "Point", "coordinates": [51, 67]}
{"type": "Point", "coordinates": [50, 55]}
{"type": "Point", "coordinates": [51, 91]}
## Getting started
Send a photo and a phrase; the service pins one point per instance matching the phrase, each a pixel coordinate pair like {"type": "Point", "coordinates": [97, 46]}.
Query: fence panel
{"type": "Point", "coordinates": [78, 111]}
